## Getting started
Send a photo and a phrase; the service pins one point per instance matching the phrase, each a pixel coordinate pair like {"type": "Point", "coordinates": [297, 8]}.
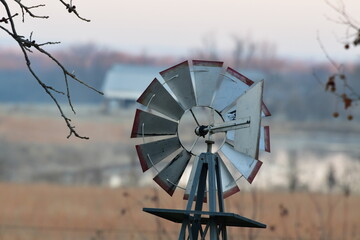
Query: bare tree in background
{"type": "Point", "coordinates": [247, 53]}
{"type": "Point", "coordinates": [338, 83]}
{"type": "Point", "coordinates": [210, 47]}
{"type": "Point", "coordinates": [244, 51]}
{"type": "Point", "coordinates": [238, 51]}
{"type": "Point", "coordinates": [28, 46]}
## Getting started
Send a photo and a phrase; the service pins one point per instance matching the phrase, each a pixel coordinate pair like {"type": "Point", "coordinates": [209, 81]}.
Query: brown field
{"type": "Point", "coordinates": [58, 212]}
{"type": "Point", "coordinates": [42, 124]}
{"type": "Point", "coordinates": [54, 212]}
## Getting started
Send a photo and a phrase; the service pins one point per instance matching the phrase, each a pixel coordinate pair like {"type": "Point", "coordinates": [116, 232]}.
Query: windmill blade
{"type": "Point", "coordinates": [229, 186]}
{"type": "Point", "coordinates": [229, 113]}
{"type": "Point", "coordinates": [212, 116]}
{"type": "Point", "coordinates": [264, 143]}
{"type": "Point", "coordinates": [249, 105]}
{"type": "Point", "coordinates": [191, 180]}
{"type": "Point", "coordinates": [147, 124]}
{"type": "Point", "coordinates": [232, 86]}
{"type": "Point", "coordinates": [169, 177]}
{"type": "Point", "coordinates": [158, 98]}
{"type": "Point", "coordinates": [178, 78]}
{"type": "Point", "coordinates": [264, 110]}
{"type": "Point", "coordinates": [245, 164]}
{"type": "Point", "coordinates": [265, 138]}
{"type": "Point", "coordinates": [206, 79]}
{"type": "Point", "coordinates": [151, 153]}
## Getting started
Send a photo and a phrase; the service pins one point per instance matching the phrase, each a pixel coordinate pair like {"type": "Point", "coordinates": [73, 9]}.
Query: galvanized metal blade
{"type": "Point", "coordinates": [229, 186]}
{"type": "Point", "coordinates": [249, 105]}
{"type": "Point", "coordinates": [158, 98]}
{"type": "Point", "coordinates": [229, 112]}
{"type": "Point", "coordinates": [265, 138]}
{"type": "Point", "coordinates": [245, 164]}
{"type": "Point", "coordinates": [232, 86]}
{"type": "Point", "coordinates": [207, 75]}
{"type": "Point", "coordinates": [191, 180]}
{"type": "Point", "coordinates": [264, 143]}
{"type": "Point", "coordinates": [169, 177]}
{"type": "Point", "coordinates": [151, 153]}
{"type": "Point", "coordinates": [147, 124]}
{"type": "Point", "coordinates": [178, 78]}
{"type": "Point", "coordinates": [230, 136]}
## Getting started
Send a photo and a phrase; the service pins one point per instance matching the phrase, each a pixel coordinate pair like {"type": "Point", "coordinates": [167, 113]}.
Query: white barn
{"type": "Point", "coordinates": [124, 83]}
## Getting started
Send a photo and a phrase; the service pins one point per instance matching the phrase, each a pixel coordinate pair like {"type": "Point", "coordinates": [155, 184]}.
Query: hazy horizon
{"type": "Point", "coordinates": [163, 27]}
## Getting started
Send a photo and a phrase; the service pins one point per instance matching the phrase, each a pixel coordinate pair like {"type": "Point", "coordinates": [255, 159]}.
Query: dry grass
{"type": "Point", "coordinates": [33, 124]}
{"type": "Point", "coordinates": [53, 212]}
{"type": "Point", "coordinates": [58, 212]}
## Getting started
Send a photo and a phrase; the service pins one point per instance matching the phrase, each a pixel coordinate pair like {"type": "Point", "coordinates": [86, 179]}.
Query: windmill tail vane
{"type": "Point", "coordinates": [206, 118]}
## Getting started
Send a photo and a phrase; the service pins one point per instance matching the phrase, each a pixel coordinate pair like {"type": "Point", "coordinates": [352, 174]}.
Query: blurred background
{"type": "Point", "coordinates": [57, 188]}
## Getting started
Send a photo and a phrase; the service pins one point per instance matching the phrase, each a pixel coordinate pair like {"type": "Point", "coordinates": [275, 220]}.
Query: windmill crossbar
{"type": "Point", "coordinates": [216, 219]}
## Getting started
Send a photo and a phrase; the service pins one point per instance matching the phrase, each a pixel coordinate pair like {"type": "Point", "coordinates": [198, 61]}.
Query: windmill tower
{"type": "Point", "coordinates": [209, 118]}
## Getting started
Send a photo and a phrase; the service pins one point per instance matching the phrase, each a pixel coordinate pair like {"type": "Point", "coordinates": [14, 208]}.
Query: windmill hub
{"type": "Point", "coordinates": [202, 130]}
{"type": "Point", "coordinates": [195, 126]}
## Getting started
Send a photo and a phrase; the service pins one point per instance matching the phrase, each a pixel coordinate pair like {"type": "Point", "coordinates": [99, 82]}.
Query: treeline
{"type": "Point", "coordinates": [291, 87]}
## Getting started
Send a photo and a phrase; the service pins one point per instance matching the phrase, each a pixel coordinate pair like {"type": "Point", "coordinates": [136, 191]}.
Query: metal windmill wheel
{"type": "Point", "coordinates": [208, 119]}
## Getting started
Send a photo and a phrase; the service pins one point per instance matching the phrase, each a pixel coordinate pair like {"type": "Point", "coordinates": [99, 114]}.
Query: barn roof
{"type": "Point", "coordinates": [128, 81]}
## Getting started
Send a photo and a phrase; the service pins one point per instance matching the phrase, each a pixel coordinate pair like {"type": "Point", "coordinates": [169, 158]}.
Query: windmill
{"type": "Point", "coordinates": [208, 118]}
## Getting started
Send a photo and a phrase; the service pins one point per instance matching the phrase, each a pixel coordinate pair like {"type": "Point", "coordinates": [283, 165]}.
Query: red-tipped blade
{"type": "Point", "coordinates": [169, 177]}
{"type": "Point", "coordinates": [207, 75]}
{"type": "Point", "coordinates": [147, 124]}
{"type": "Point", "coordinates": [178, 78]}
{"type": "Point", "coordinates": [158, 98]}
{"type": "Point", "coordinates": [245, 164]}
{"type": "Point", "coordinates": [153, 152]}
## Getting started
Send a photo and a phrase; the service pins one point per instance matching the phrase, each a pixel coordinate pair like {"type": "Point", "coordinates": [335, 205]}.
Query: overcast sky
{"type": "Point", "coordinates": [177, 26]}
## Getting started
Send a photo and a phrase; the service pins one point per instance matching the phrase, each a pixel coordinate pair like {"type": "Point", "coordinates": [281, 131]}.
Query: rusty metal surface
{"type": "Point", "coordinates": [265, 138]}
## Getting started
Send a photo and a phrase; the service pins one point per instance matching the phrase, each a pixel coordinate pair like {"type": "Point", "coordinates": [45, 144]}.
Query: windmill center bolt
{"type": "Point", "coordinates": [202, 131]}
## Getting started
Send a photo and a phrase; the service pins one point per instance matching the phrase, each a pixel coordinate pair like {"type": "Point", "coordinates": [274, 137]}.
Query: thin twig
{"type": "Point", "coordinates": [6, 20]}
{"type": "Point", "coordinates": [72, 8]}
{"type": "Point", "coordinates": [344, 17]}
{"type": "Point", "coordinates": [26, 46]}
{"type": "Point", "coordinates": [338, 68]}
{"type": "Point", "coordinates": [28, 11]}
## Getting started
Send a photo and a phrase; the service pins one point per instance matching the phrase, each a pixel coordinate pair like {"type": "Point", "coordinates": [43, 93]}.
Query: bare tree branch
{"type": "Point", "coordinates": [345, 18]}
{"type": "Point", "coordinates": [348, 95]}
{"type": "Point", "coordinates": [339, 68]}
{"type": "Point", "coordinates": [27, 9]}
{"type": "Point", "coordinates": [28, 44]}
{"type": "Point", "coordinates": [72, 8]}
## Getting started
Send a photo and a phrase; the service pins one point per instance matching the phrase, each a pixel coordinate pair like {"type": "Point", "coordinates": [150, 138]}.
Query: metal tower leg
{"type": "Point", "coordinates": [208, 168]}
{"type": "Point", "coordinates": [208, 164]}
